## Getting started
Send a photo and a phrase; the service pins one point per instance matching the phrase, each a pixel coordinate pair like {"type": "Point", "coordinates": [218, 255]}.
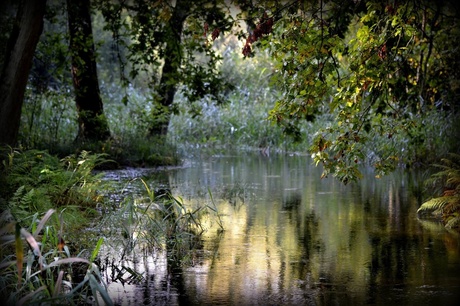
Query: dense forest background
{"type": "Point", "coordinates": [349, 82]}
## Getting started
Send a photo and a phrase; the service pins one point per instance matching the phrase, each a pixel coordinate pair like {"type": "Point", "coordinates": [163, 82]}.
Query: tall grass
{"type": "Point", "coordinates": [38, 268]}
{"type": "Point", "coordinates": [48, 203]}
{"type": "Point", "coordinates": [241, 122]}
{"type": "Point", "coordinates": [154, 219]}
{"type": "Point", "coordinates": [49, 122]}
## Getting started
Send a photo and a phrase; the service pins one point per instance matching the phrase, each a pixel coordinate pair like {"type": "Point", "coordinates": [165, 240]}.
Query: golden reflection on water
{"type": "Point", "coordinates": [299, 240]}
{"type": "Point", "coordinates": [293, 239]}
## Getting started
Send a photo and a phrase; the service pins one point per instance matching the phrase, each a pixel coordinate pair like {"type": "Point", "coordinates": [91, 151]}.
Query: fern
{"type": "Point", "coordinates": [446, 179]}
{"type": "Point", "coordinates": [34, 181]}
{"type": "Point", "coordinates": [20, 203]}
{"type": "Point", "coordinates": [434, 205]}
{"type": "Point", "coordinates": [453, 222]}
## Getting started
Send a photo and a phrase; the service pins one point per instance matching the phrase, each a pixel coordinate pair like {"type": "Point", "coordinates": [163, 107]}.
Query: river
{"type": "Point", "coordinates": [291, 238]}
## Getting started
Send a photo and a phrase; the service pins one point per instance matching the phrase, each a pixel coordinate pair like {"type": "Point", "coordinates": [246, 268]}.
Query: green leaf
{"type": "Point", "coordinates": [95, 286]}
{"type": "Point", "coordinates": [96, 249]}
{"type": "Point", "coordinates": [433, 205]}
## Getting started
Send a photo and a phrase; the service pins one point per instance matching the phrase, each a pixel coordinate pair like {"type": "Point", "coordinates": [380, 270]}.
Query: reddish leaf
{"type": "Point", "coordinates": [215, 33]}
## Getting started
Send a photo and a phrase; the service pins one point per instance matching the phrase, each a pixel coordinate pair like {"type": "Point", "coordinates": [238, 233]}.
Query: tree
{"type": "Point", "coordinates": [92, 123]}
{"type": "Point", "coordinates": [17, 63]}
{"type": "Point", "coordinates": [171, 37]}
{"type": "Point", "coordinates": [376, 66]}
{"type": "Point", "coordinates": [169, 76]}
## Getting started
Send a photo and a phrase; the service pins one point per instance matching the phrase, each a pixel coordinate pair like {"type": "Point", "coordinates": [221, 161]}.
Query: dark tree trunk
{"type": "Point", "coordinates": [169, 76]}
{"type": "Point", "coordinates": [18, 61]}
{"type": "Point", "coordinates": [92, 123]}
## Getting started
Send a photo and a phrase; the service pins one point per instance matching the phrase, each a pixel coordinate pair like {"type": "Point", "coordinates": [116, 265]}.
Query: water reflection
{"type": "Point", "coordinates": [293, 239]}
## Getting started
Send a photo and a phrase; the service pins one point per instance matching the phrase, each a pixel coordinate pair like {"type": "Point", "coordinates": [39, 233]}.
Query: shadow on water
{"type": "Point", "coordinates": [293, 239]}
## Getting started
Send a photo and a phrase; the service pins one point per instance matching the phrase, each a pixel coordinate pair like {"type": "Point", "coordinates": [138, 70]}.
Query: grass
{"type": "Point", "coordinates": [49, 123]}
{"type": "Point", "coordinates": [43, 197]}
{"type": "Point", "coordinates": [38, 268]}
{"type": "Point", "coordinates": [152, 218]}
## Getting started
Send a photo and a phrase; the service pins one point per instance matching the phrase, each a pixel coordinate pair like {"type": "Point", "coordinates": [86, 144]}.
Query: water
{"type": "Point", "coordinates": [293, 239]}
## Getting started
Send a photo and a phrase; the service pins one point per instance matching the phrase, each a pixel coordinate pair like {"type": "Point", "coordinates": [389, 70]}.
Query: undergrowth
{"type": "Point", "coordinates": [447, 184]}
{"type": "Point", "coordinates": [34, 181]}
{"type": "Point", "coordinates": [37, 267]}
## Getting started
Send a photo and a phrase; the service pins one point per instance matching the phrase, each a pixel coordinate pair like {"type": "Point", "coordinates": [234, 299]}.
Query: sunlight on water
{"type": "Point", "coordinates": [293, 239]}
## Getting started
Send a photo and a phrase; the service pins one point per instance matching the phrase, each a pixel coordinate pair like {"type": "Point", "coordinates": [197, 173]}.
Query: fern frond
{"type": "Point", "coordinates": [453, 206]}
{"type": "Point", "coordinates": [453, 222]}
{"type": "Point", "coordinates": [17, 196]}
{"type": "Point", "coordinates": [434, 205]}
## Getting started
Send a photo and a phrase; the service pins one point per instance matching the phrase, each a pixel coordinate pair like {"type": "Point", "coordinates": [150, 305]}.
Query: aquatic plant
{"type": "Point", "coordinates": [446, 206]}
{"type": "Point", "coordinates": [37, 267]}
{"type": "Point", "coordinates": [155, 219]}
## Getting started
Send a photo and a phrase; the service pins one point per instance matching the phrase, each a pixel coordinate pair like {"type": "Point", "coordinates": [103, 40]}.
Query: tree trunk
{"type": "Point", "coordinates": [18, 61]}
{"type": "Point", "coordinates": [92, 123]}
{"type": "Point", "coordinates": [161, 112]}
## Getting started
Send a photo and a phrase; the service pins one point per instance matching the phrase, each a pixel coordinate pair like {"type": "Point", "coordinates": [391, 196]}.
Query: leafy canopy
{"type": "Point", "coordinates": [376, 66]}
{"type": "Point", "coordinates": [147, 31]}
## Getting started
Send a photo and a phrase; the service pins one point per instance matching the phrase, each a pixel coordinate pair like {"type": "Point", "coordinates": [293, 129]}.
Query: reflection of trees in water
{"type": "Point", "coordinates": [310, 242]}
{"type": "Point", "coordinates": [291, 201]}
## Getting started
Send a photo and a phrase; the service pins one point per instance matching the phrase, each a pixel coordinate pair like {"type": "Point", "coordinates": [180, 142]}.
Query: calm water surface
{"type": "Point", "coordinates": [293, 239]}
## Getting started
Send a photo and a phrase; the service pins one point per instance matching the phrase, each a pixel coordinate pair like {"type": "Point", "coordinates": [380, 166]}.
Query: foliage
{"type": "Point", "coordinates": [33, 181]}
{"type": "Point", "coordinates": [353, 82]}
{"type": "Point", "coordinates": [241, 123]}
{"type": "Point", "coordinates": [43, 270]}
{"type": "Point", "coordinates": [378, 68]}
{"type": "Point", "coordinates": [448, 205]}
{"type": "Point", "coordinates": [48, 121]}
{"type": "Point", "coordinates": [51, 65]}
{"type": "Point", "coordinates": [144, 34]}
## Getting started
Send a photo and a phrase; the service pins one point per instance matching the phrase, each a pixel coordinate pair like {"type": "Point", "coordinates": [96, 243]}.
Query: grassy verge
{"type": "Point", "coordinates": [56, 218]}
{"type": "Point", "coordinates": [46, 202]}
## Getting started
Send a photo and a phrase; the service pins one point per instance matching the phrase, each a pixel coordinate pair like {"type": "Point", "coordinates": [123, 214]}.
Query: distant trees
{"type": "Point", "coordinates": [175, 39]}
{"type": "Point", "coordinates": [376, 67]}
{"type": "Point", "coordinates": [17, 63]}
